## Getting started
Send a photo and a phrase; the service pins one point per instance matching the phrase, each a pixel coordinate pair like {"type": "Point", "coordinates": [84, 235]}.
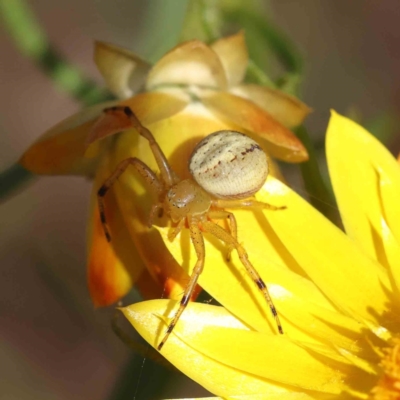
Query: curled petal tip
{"type": "Point", "coordinates": [190, 63]}
{"type": "Point", "coordinates": [109, 123]}
{"type": "Point", "coordinates": [232, 51]}
{"type": "Point", "coordinates": [123, 71]}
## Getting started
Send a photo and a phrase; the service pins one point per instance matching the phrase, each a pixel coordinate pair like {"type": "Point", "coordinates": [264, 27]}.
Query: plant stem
{"type": "Point", "coordinates": [32, 42]}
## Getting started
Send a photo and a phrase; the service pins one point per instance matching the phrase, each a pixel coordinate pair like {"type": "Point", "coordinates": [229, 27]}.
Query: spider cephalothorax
{"type": "Point", "coordinates": [227, 168]}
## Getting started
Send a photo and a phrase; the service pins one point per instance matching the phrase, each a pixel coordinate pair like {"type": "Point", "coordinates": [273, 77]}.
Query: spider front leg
{"type": "Point", "coordinates": [240, 203]}
{"type": "Point", "coordinates": [124, 118]}
{"type": "Point", "coordinates": [198, 243]}
{"type": "Point", "coordinates": [222, 214]}
{"type": "Point", "coordinates": [174, 232]}
{"type": "Point", "coordinates": [223, 235]}
{"type": "Point", "coordinates": [245, 203]}
{"type": "Point", "coordinates": [148, 175]}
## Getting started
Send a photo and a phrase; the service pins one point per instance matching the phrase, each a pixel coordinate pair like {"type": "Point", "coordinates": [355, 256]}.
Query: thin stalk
{"type": "Point", "coordinates": [31, 41]}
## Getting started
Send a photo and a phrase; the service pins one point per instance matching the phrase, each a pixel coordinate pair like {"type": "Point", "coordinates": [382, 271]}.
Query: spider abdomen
{"type": "Point", "coordinates": [229, 164]}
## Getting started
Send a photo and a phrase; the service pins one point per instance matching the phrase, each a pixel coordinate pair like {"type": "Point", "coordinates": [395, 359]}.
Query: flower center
{"type": "Point", "coordinates": [388, 387]}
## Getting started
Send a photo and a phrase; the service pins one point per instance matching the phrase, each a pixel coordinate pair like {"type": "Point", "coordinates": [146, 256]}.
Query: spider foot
{"type": "Point", "coordinates": [104, 224]}
{"type": "Point", "coordinates": [274, 208]}
{"type": "Point", "coordinates": [228, 255]}
{"type": "Point", "coordinates": [157, 210]}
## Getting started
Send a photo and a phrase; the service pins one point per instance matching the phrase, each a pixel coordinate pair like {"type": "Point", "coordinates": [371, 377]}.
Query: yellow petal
{"type": "Point", "coordinates": [190, 63]}
{"type": "Point", "coordinates": [148, 107]}
{"type": "Point", "coordinates": [329, 327]}
{"type": "Point", "coordinates": [389, 253]}
{"type": "Point", "coordinates": [252, 352]}
{"type": "Point", "coordinates": [366, 180]}
{"type": "Point", "coordinates": [303, 318]}
{"type": "Point", "coordinates": [281, 143]}
{"type": "Point", "coordinates": [123, 71]}
{"type": "Point", "coordinates": [232, 51]}
{"type": "Point", "coordinates": [61, 150]}
{"type": "Point", "coordinates": [356, 284]}
{"type": "Point", "coordinates": [231, 286]}
{"type": "Point", "coordinates": [286, 109]}
{"type": "Point", "coordinates": [113, 267]}
{"type": "Point", "coordinates": [217, 377]}
{"type": "Point", "coordinates": [389, 187]}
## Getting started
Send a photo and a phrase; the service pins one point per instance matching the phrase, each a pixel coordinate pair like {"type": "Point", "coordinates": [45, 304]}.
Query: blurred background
{"type": "Point", "coordinates": [54, 344]}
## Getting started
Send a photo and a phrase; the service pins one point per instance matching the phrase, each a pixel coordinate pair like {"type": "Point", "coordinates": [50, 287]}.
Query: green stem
{"type": "Point", "coordinates": [202, 21]}
{"type": "Point", "coordinates": [13, 179]}
{"type": "Point", "coordinates": [320, 196]}
{"type": "Point", "coordinates": [31, 41]}
{"type": "Point", "coordinates": [282, 47]}
{"type": "Point", "coordinates": [255, 74]}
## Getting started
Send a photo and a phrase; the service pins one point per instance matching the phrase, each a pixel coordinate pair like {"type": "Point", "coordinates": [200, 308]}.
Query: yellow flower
{"type": "Point", "coordinates": [337, 294]}
{"type": "Point", "coordinates": [193, 90]}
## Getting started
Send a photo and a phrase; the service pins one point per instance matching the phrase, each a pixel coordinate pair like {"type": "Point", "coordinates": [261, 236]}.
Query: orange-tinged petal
{"type": "Point", "coordinates": [366, 180]}
{"type": "Point", "coordinates": [281, 143]}
{"type": "Point", "coordinates": [190, 63]}
{"type": "Point", "coordinates": [61, 154]}
{"type": "Point", "coordinates": [61, 150]}
{"type": "Point", "coordinates": [219, 378]}
{"type": "Point", "coordinates": [349, 278]}
{"type": "Point", "coordinates": [286, 109]}
{"type": "Point", "coordinates": [232, 51]}
{"type": "Point", "coordinates": [113, 267]}
{"type": "Point", "coordinates": [148, 287]}
{"type": "Point", "coordinates": [123, 71]}
{"type": "Point", "coordinates": [148, 107]}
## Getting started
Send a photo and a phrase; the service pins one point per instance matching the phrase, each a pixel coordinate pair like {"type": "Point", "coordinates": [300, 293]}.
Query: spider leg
{"type": "Point", "coordinates": [223, 235]}
{"type": "Point", "coordinates": [244, 203]}
{"type": "Point", "coordinates": [222, 214]}
{"type": "Point", "coordinates": [125, 112]}
{"type": "Point", "coordinates": [198, 243]}
{"type": "Point", "coordinates": [175, 231]}
{"type": "Point", "coordinates": [156, 209]}
{"type": "Point", "coordinates": [148, 175]}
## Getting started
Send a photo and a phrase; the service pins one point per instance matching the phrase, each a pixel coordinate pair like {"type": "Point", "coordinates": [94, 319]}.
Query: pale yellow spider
{"type": "Point", "coordinates": [228, 167]}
